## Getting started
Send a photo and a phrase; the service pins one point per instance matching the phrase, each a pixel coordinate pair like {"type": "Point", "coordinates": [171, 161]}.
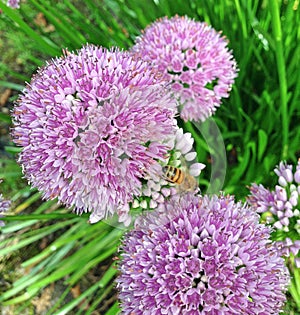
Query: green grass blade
{"type": "Point", "coordinates": [72, 36]}
{"type": "Point", "coordinates": [12, 85]}
{"type": "Point", "coordinates": [41, 44]}
{"type": "Point", "coordinates": [75, 302]}
{"type": "Point", "coordinates": [277, 33]}
{"type": "Point", "coordinates": [27, 239]}
{"type": "Point", "coordinates": [114, 310]}
{"type": "Point", "coordinates": [262, 143]}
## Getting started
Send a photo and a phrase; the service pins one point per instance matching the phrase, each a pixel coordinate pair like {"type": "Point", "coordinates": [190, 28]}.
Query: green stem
{"type": "Point", "coordinates": [294, 294]}
{"type": "Point", "coordinates": [276, 25]}
{"type": "Point", "coordinates": [32, 216]}
{"type": "Point", "coordinates": [296, 283]}
{"type": "Point", "coordinates": [240, 15]}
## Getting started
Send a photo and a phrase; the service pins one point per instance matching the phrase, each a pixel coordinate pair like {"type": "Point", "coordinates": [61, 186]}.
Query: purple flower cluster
{"type": "Point", "coordinates": [201, 255]}
{"type": "Point", "coordinates": [92, 125]}
{"type": "Point", "coordinates": [14, 4]}
{"type": "Point", "coordinates": [282, 208]}
{"type": "Point", "coordinates": [194, 58]}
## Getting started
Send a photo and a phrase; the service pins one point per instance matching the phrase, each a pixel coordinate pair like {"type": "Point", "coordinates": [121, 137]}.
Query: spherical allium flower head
{"type": "Point", "coordinates": [282, 208]}
{"type": "Point", "coordinates": [91, 125]}
{"type": "Point", "coordinates": [194, 58]}
{"type": "Point", "coordinates": [202, 255]}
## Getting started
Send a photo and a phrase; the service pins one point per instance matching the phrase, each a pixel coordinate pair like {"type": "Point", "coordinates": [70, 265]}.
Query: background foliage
{"type": "Point", "coordinates": [53, 262]}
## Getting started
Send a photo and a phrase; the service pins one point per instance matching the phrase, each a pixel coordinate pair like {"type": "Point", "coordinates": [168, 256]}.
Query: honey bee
{"type": "Point", "coordinates": [185, 182]}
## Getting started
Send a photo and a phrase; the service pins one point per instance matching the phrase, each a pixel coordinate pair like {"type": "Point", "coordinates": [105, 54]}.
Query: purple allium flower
{"type": "Point", "coordinates": [201, 255]}
{"type": "Point", "coordinates": [282, 208]}
{"type": "Point", "coordinates": [92, 125]}
{"type": "Point", "coordinates": [14, 4]}
{"type": "Point", "coordinates": [194, 58]}
{"type": "Point", "coordinates": [260, 197]}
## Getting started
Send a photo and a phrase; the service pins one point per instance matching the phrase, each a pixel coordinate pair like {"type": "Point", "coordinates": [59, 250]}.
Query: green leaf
{"type": "Point", "coordinates": [41, 45]}
{"type": "Point", "coordinates": [59, 20]}
{"type": "Point", "coordinates": [28, 239]}
{"type": "Point", "coordinates": [114, 310]}
{"type": "Point", "coordinates": [262, 143]}
{"type": "Point", "coordinates": [12, 85]}
{"type": "Point", "coordinates": [5, 118]}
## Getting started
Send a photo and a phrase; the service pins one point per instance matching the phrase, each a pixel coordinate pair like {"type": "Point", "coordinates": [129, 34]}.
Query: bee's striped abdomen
{"type": "Point", "coordinates": [173, 174]}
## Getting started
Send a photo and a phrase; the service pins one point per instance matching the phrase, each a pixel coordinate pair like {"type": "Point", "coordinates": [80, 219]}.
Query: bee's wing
{"type": "Point", "coordinates": [185, 165]}
{"type": "Point", "coordinates": [191, 165]}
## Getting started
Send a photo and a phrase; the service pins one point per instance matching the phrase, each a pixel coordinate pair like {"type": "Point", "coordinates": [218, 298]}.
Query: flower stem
{"type": "Point", "coordinates": [296, 287]}
{"type": "Point", "coordinates": [276, 25]}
